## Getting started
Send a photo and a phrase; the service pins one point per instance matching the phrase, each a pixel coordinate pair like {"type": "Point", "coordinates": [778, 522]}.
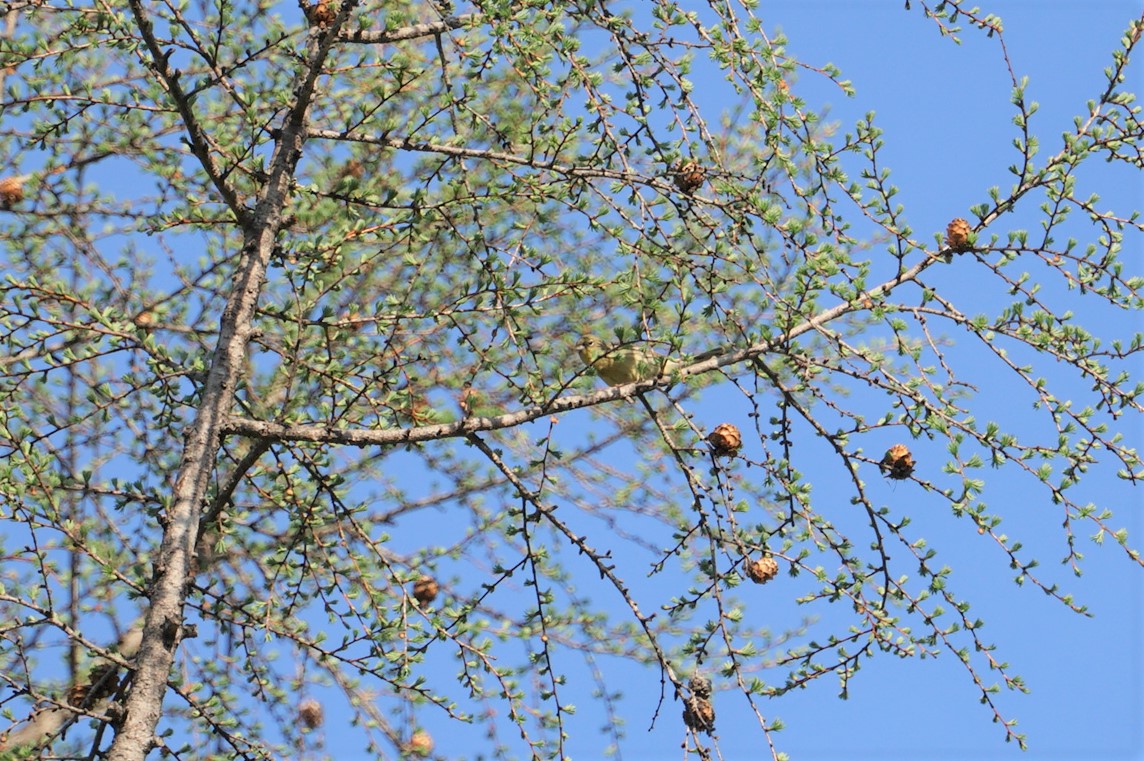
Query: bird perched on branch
{"type": "Point", "coordinates": [618, 365]}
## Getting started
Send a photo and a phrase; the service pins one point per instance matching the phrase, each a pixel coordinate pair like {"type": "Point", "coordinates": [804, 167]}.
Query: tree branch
{"type": "Point", "coordinates": [430, 29]}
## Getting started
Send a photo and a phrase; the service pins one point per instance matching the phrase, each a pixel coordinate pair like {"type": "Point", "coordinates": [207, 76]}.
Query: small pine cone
{"type": "Point", "coordinates": [310, 713]}
{"type": "Point", "coordinates": [699, 685]}
{"type": "Point", "coordinates": [957, 234]}
{"type": "Point", "coordinates": [699, 714]}
{"type": "Point", "coordinates": [11, 192]}
{"type": "Point", "coordinates": [425, 590]}
{"type": "Point", "coordinates": [689, 177]}
{"type": "Point", "coordinates": [321, 13]}
{"type": "Point", "coordinates": [420, 744]}
{"type": "Point", "coordinates": [898, 463]}
{"type": "Point", "coordinates": [725, 439]}
{"type": "Point", "coordinates": [762, 570]}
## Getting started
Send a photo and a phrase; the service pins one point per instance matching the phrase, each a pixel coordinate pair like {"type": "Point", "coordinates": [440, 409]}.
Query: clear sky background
{"type": "Point", "coordinates": [946, 112]}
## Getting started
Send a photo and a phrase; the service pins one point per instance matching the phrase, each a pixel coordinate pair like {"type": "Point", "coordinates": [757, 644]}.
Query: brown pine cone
{"type": "Point", "coordinates": [425, 590]}
{"type": "Point", "coordinates": [310, 713]}
{"type": "Point", "coordinates": [321, 13]}
{"type": "Point", "coordinates": [420, 744]}
{"type": "Point", "coordinates": [699, 714]}
{"type": "Point", "coordinates": [11, 192]}
{"type": "Point", "coordinates": [689, 177]}
{"type": "Point", "coordinates": [725, 439]}
{"type": "Point", "coordinates": [699, 685]}
{"type": "Point", "coordinates": [957, 234]}
{"type": "Point", "coordinates": [762, 570]}
{"type": "Point", "coordinates": [898, 463]}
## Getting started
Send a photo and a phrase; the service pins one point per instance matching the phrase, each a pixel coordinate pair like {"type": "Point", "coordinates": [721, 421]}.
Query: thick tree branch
{"type": "Point", "coordinates": [468, 426]}
{"type": "Point", "coordinates": [163, 624]}
{"type": "Point", "coordinates": [429, 29]}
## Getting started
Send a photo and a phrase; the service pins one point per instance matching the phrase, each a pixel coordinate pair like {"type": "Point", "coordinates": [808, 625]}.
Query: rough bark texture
{"type": "Point", "coordinates": [162, 626]}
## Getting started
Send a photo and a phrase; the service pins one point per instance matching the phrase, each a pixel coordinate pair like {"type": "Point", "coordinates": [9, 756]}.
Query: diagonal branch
{"type": "Point", "coordinates": [197, 138]}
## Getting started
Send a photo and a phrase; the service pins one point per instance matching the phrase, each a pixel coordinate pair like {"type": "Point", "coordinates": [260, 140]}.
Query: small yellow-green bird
{"type": "Point", "coordinates": [627, 364]}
